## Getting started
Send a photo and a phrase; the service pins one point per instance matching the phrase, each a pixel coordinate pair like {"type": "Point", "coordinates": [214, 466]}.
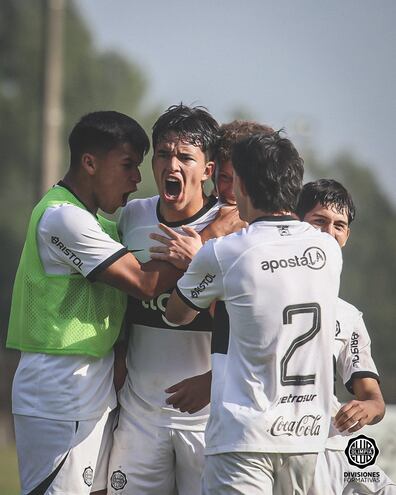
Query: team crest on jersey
{"type": "Point", "coordinates": [118, 480]}
{"type": "Point", "coordinates": [362, 451]}
{"type": "Point", "coordinates": [283, 230]}
{"type": "Point", "coordinates": [88, 476]}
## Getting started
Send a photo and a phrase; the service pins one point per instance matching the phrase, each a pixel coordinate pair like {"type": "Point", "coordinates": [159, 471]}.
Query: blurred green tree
{"type": "Point", "coordinates": [93, 80]}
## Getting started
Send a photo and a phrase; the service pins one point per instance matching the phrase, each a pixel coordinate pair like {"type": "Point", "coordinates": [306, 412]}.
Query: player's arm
{"type": "Point", "coordinates": [367, 409]}
{"type": "Point", "coordinates": [192, 394]}
{"type": "Point", "coordinates": [178, 311]}
{"type": "Point", "coordinates": [140, 281]}
{"type": "Point", "coordinates": [71, 234]}
{"type": "Point", "coordinates": [226, 222]}
{"type": "Point", "coordinates": [197, 289]}
{"type": "Point", "coordinates": [180, 249]}
{"type": "Point", "coordinates": [357, 368]}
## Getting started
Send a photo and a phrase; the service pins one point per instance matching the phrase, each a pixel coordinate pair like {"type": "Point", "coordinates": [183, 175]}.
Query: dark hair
{"type": "Point", "coordinates": [194, 125]}
{"type": "Point", "coordinates": [328, 193]}
{"type": "Point", "coordinates": [100, 132]}
{"type": "Point", "coordinates": [271, 170]}
{"type": "Point", "coordinates": [232, 133]}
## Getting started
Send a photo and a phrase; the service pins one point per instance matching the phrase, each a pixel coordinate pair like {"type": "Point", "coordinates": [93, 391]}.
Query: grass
{"type": "Point", "coordinates": [9, 479]}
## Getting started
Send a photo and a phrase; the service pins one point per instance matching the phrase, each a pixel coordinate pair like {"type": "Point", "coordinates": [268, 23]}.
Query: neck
{"type": "Point", "coordinates": [81, 189]}
{"type": "Point", "coordinates": [256, 214]}
{"type": "Point", "coordinates": [175, 213]}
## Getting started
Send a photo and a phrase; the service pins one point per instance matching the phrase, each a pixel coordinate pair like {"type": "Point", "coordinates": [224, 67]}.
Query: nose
{"type": "Point", "coordinates": [173, 163]}
{"type": "Point", "coordinates": [136, 176]}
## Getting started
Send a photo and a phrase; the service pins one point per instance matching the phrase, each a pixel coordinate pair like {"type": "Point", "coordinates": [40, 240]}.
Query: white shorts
{"type": "Point", "coordinates": [61, 457]}
{"type": "Point", "coordinates": [153, 460]}
{"type": "Point", "coordinates": [330, 468]}
{"type": "Point", "coordinates": [257, 473]}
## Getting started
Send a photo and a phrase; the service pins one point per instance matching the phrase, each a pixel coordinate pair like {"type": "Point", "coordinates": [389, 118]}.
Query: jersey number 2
{"type": "Point", "coordinates": [288, 313]}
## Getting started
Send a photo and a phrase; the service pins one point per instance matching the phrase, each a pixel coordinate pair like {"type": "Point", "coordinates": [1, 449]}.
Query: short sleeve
{"type": "Point", "coordinates": [203, 281]}
{"type": "Point", "coordinates": [71, 240]}
{"type": "Point", "coordinates": [355, 360]}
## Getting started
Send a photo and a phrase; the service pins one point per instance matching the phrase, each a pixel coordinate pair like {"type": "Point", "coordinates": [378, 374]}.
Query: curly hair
{"type": "Point", "coordinates": [232, 133]}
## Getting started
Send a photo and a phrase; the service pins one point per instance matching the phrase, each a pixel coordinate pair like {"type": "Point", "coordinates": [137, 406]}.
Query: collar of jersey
{"type": "Point", "coordinates": [274, 218]}
{"type": "Point", "coordinates": [212, 200]}
{"type": "Point", "coordinates": [65, 186]}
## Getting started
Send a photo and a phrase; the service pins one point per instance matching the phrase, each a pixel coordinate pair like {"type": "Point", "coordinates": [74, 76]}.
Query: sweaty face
{"type": "Point", "coordinates": [329, 220]}
{"type": "Point", "coordinates": [116, 177]}
{"type": "Point", "coordinates": [179, 170]}
{"type": "Point", "coordinates": [224, 183]}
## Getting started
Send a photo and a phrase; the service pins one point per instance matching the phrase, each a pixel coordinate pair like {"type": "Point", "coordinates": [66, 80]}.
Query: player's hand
{"type": "Point", "coordinates": [226, 222]}
{"type": "Point", "coordinates": [177, 249]}
{"type": "Point", "coordinates": [355, 414]}
{"type": "Point", "coordinates": [192, 394]}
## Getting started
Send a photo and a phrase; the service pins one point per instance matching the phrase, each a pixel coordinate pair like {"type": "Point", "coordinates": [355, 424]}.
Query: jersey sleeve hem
{"type": "Point", "coordinates": [360, 374]}
{"type": "Point", "coordinates": [91, 276]}
{"type": "Point", "coordinates": [187, 301]}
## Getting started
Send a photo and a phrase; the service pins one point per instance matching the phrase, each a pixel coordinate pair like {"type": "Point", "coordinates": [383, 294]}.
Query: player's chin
{"type": "Point", "coordinates": [125, 197]}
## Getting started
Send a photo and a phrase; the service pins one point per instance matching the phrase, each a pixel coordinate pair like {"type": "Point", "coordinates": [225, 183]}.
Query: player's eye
{"type": "Point", "coordinates": [186, 158]}
{"type": "Point", "coordinates": [162, 153]}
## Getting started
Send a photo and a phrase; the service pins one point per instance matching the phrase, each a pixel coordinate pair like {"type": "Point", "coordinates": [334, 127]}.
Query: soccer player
{"type": "Point", "coordinates": [68, 305]}
{"type": "Point", "coordinates": [327, 205]}
{"type": "Point", "coordinates": [192, 394]}
{"type": "Point", "coordinates": [278, 280]}
{"type": "Point", "coordinates": [156, 447]}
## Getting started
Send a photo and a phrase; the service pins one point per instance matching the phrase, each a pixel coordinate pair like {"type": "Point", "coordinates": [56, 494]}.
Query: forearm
{"type": "Point", "coordinates": [178, 312]}
{"type": "Point", "coordinates": [140, 281]}
{"type": "Point", "coordinates": [157, 277]}
{"type": "Point", "coordinates": [372, 398]}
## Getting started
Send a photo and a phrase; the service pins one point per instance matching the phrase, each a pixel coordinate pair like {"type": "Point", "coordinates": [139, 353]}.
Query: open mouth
{"type": "Point", "coordinates": [173, 188]}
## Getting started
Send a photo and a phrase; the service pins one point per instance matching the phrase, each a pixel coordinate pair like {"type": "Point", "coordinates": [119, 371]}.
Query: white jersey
{"type": "Point", "coordinates": [68, 387]}
{"type": "Point", "coordinates": [161, 354]}
{"type": "Point", "coordinates": [278, 280]}
{"type": "Point", "coordinates": [352, 354]}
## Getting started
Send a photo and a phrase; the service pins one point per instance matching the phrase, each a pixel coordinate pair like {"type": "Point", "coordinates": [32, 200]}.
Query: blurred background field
{"type": "Point", "coordinates": [323, 72]}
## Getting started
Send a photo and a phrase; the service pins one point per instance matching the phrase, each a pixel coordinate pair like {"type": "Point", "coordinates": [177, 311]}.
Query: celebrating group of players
{"type": "Point", "coordinates": [223, 352]}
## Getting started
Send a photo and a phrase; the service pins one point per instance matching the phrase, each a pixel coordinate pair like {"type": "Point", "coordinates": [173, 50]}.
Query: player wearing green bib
{"type": "Point", "coordinates": [68, 305]}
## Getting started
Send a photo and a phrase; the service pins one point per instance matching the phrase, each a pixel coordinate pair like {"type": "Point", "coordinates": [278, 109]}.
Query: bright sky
{"type": "Point", "coordinates": [322, 70]}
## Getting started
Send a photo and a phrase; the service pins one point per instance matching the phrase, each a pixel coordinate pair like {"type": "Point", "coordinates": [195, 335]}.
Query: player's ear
{"type": "Point", "coordinates": [88, 163]}
{"type": "Point", "coordinates": [208, 170]}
